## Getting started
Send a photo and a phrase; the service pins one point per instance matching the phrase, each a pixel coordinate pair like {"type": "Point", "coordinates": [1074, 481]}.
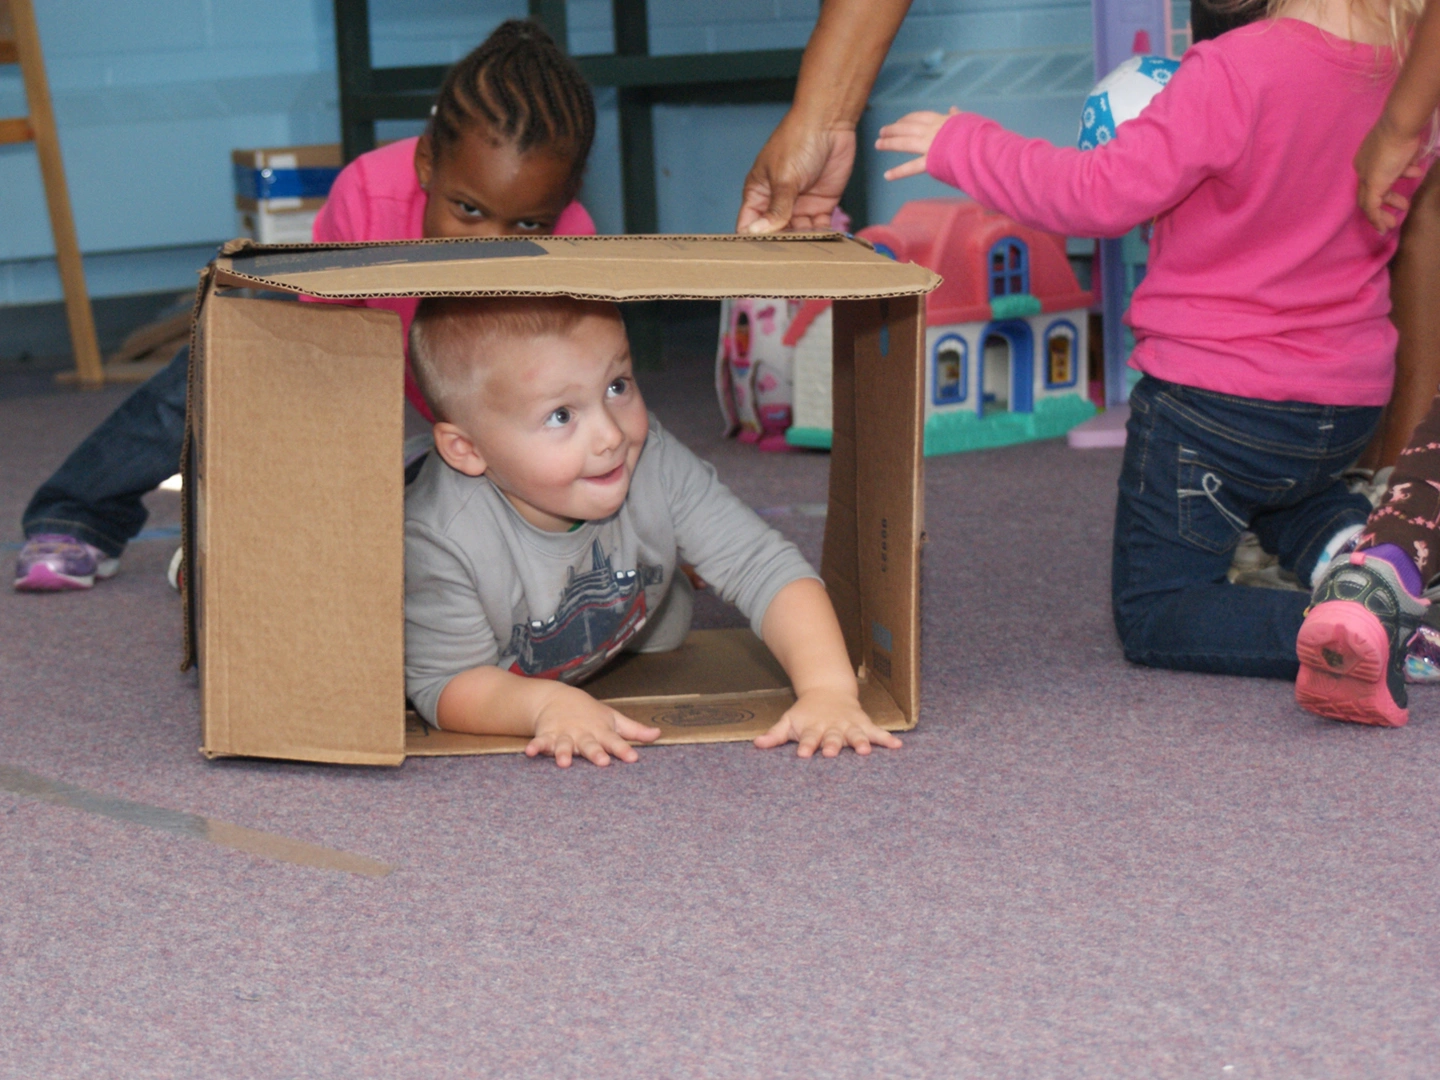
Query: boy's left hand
{"type": "Point", "coordinates": [829, 721]}
{"type": "Point", "coordinates": [911, 134]}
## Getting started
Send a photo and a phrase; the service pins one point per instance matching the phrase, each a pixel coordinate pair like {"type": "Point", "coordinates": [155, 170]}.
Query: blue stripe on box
{"type": "Point", "coordinates": [881, 636]}
{"type": "Point", "coordinates": [313, 183]}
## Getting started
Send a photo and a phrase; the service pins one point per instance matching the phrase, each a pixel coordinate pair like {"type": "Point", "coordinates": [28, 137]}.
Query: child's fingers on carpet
{"type": "Point", "coordinates": [778, 735]}
{"type": "Point", "coordinates": [592, 750]}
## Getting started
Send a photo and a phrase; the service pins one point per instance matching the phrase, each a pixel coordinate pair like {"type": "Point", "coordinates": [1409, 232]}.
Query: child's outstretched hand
{"type": "Point", "coordinates": [911, 134]}
{"type": "Point", "coordinates": [829, 721]}
{"type": "Point", "coordinates": [1385, 156]}
{"type": "Point", "coordinates": [572, 722]}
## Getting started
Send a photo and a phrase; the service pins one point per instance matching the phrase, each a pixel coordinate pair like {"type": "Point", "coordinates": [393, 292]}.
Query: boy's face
{"type": "Point", "coordinates": [557, 423]}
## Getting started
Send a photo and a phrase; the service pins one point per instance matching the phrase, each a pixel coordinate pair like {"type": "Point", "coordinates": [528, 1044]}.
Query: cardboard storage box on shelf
{"type": "Point", "coordinates": [278, 191]}
{"type": "Point", "coordinates": [294, 453]}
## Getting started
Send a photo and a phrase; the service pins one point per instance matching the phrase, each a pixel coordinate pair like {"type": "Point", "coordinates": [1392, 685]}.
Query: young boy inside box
{"type": "Point", "coordinates": [543, 538]}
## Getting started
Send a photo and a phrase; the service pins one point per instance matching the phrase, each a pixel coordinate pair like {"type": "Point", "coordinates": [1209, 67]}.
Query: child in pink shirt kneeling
{"type": "Point", "coordinates": [1261, 325]}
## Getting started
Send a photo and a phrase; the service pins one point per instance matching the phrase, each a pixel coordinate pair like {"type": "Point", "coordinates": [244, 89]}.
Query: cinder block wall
{"type": "Point", "coordinates": [151, 98]}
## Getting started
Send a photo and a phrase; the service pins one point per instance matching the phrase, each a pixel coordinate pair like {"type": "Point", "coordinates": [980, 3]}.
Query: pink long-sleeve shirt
{"type": "Point", "coordinates": [1264, 279]}
{"type": "Point", "coordinates": [379, 197]}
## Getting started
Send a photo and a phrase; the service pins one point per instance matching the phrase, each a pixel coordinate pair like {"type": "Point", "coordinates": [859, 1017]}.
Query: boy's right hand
{"type": "Point", "coordinates": [571, 722]}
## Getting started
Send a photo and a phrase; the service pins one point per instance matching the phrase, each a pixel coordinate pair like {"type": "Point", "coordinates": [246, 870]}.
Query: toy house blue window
{"type": "Point", "coordinates": [1061, 362]}
{"type": "Point", "coordinates": [951, 369]}
{"type": "Point", "coordinates": [1009, 269]}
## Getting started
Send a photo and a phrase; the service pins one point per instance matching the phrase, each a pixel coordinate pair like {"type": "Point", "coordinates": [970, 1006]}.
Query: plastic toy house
{"type": "Point", "coordinates": [753, 369]}
{"type": "Point", "coordinates": [1005, 343]}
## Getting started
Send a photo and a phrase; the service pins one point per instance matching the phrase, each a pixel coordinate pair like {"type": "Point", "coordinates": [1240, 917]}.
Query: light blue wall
{"type": "Point", "coordinates": [150, 98]}
{"type": "Point", "coordinates": [152, 95]}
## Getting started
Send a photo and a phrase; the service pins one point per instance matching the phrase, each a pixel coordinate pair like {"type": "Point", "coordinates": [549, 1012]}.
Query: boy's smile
{"type": "Point", "coordinates": [557, 423]}
{"type": "Point", "coordinates": [617, 473]}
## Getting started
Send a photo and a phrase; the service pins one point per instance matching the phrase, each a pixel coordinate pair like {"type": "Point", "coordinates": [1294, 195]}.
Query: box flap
{"type": "Point", "coordinates": [295, 553]}
{"type": "Point", "coordinates": [820, 265]}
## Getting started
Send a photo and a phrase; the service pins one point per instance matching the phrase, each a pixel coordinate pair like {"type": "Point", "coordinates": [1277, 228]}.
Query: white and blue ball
{"type": "Point", "coordinates": [1121, 96]}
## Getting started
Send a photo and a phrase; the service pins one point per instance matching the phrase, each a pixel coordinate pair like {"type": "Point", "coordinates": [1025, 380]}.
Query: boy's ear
{"type": "Point", "coordinates": [457, 451]}
{"type": "Point", "coordinates": [424, 161]}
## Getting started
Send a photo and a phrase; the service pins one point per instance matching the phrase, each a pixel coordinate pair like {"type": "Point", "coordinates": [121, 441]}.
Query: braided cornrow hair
{"type": "Point", "coordinates": [520, 84]}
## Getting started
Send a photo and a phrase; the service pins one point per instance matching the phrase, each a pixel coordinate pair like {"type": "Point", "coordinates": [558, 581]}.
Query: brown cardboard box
{"type": "Point", "coordinates": [293, 454]}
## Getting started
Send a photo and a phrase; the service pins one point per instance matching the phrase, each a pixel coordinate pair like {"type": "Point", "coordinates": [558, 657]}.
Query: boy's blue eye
{"type": "Point", "coordinates": [559, 418]}
{"type": "Point", "coordinates": [619, 386]}
{"type": "Point", "coordinates": [530, 226]}
{"type": "Point", "coordinates": [468, 210]}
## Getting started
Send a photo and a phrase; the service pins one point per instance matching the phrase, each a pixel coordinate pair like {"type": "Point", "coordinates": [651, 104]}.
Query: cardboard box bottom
{"type": "Point", "coordinates": [720, 686]}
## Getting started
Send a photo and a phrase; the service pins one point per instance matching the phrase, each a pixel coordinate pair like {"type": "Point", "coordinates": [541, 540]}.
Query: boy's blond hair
{"type": "Point", "coordinates": [451, 337]}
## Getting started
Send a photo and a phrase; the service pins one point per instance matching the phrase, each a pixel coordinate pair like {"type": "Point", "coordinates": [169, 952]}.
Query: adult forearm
{"type": "Point", "coordinates": [1417, 91]}
{"type": "Point", "coordinates": [1414, 284]}
{"type": "Point", "coordinates": [843, 57]}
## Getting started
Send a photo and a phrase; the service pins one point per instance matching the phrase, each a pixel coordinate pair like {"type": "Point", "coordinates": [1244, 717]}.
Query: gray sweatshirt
{"type": "Point", "coordinates": [484, 586]}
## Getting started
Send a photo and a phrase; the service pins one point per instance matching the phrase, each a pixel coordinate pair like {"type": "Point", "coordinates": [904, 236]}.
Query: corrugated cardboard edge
{"type": "Point", "coordinates": [245, 244]}
{"type": "Point", "coordinates": [187, 466]}
{"type": "Point", "coordinates": [228, 276]}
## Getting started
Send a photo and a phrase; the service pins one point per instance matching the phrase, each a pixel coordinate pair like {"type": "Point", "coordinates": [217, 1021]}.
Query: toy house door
{"type": "Point", "coordinates": [1007, 363]}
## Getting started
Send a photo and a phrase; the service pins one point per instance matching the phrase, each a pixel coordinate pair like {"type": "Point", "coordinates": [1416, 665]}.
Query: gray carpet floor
{"type": "Point", "coordinates": [1074, 868]}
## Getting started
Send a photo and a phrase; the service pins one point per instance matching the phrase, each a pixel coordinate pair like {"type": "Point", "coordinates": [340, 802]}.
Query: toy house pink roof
{"type": "Point", "coordinates": [954, 238]}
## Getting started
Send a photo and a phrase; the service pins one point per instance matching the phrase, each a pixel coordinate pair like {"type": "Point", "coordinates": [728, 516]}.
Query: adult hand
{"type": "Point", "coordinates": [797, 179]}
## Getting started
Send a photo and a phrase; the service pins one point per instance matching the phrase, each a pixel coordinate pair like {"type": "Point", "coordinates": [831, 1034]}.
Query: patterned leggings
{"type": "Point", "coordinates": [1410, 516]}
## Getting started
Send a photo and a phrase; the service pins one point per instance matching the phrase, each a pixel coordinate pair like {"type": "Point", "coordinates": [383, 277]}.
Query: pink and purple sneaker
{"type": "Point", "coordinates": [54, 562]}
{"type": "Point", "coordinates": [1353, 644]}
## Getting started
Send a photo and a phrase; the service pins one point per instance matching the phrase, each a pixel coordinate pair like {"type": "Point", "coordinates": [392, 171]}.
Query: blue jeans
{"type": "Point", "coordinates": [1201, 468]}
{"type": "Point", "coordinates": [96, 493]}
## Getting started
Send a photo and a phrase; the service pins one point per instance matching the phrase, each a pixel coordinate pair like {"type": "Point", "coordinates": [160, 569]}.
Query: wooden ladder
{"type": "Point", "coordinates": [20, 44]}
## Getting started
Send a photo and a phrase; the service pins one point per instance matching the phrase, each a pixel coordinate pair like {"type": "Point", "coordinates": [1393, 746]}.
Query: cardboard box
{"type": "Point", "coordinates": [293, 452]}
{"type": "Point", "coordinates": [279, 190]}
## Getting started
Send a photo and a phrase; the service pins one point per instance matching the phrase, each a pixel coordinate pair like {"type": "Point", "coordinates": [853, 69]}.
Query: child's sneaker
{"type": "Point", "coordinates": [54, 562]}
{"type": "Point", "coordinates": [1352, 645]}
{"type": "Point", "coordinates": [1422, 656]}
{"type": "Point", "coordinates": [175, 573]}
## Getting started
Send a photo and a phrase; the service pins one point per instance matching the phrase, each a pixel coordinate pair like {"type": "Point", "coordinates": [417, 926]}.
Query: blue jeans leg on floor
{"type": "Point", "coordinates": [96, 493]}
{"type": "Point", "coordinates": [1200, 468]}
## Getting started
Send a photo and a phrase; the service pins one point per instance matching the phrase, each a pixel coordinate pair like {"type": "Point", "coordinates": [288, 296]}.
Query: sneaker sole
{"type": "Point", "coordinates": [42, 578]}
{"type": "Point", "coordinates": [1344, 652]}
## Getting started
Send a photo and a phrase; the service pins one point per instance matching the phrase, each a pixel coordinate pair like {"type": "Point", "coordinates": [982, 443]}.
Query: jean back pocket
{"type": "Point", "coordinates": [1216, 504]}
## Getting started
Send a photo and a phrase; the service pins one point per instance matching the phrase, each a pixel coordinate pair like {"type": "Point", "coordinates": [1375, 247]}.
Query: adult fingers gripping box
{"type": "Point", "coordinates": [294, 524]}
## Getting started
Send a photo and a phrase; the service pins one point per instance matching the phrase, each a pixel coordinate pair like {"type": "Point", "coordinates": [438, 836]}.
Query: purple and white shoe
{"type": "Point", "coordinates": [1422, 656]}
{"type": "Point", "coordinates": [54, 562]}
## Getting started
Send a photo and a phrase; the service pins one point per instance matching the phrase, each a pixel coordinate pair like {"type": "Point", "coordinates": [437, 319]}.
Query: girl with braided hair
{"type": "Point", "coordinates": [502, 155]}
